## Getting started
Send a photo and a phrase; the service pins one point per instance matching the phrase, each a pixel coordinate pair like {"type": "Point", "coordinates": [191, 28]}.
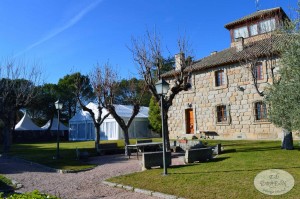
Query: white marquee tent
{"type": "Point", "coordinates": [54, 126]}
{"type": "Point", "coordinates": [26, 124]}
{"type": "Point", "coordinates": [81, 126]}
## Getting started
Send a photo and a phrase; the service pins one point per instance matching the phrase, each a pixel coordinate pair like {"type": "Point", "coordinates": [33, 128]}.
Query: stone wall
{"type": "Point", "coordinates": [239, 96]}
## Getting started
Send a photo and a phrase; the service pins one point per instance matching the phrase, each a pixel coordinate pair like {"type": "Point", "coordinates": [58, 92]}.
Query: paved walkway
{"type": "Point", "coordinates": [82, 185]}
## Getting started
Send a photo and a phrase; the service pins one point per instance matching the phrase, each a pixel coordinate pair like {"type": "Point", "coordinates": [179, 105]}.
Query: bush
{"type": "Point", "coordinates": [30, 195]}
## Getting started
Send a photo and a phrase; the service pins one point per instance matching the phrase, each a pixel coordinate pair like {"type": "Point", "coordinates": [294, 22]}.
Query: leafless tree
{"type": "Point", "coordinates": [133, 97]}
{"type": "Point", "coordinates": [17, 88]}
{"type": "Point", "coordinates": [147, 53]}
{"type": "Point", "coordinates": [105, 82]}
{"type": "Point", "coordinates": [98, 82]}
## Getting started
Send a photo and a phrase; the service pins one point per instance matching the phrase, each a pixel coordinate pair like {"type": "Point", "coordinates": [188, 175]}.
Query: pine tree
{"type": "Point", "coordinates": [154, 116]}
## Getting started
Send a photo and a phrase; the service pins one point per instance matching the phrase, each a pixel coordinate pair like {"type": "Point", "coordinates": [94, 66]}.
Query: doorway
{"type": "Point", "coordinates": [189, 118]}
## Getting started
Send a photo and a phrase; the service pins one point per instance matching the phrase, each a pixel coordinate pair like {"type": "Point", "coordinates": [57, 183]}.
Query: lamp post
{"type": "Point", "coordinates": [162, 88]}
{"type": "Point", "coordinates": [58, 106]}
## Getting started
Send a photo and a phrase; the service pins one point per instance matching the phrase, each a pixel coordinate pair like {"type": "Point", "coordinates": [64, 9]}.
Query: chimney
{"type": "Point", "coordinates": [179, 59]}
{"type": "Point", "coordinates": [213, 52]}
{"type": "Point", "coordinates": [239, 44]}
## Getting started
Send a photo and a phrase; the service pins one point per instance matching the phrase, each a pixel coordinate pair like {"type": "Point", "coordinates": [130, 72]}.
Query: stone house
{"type": "Point", "coordinates": [226, 97]}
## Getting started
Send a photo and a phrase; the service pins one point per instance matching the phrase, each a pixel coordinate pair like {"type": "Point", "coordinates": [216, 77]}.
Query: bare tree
{"type": "Point", "coordinates": [104, 81]}
{"type": "Point", "coordinates": [147, 53]}
{"type": "Point", "coordinates": [133, 97]}
{"type": "Point", "coordinates": [98, 82]}
{"type": "Point", "coordinates": [17, 89]}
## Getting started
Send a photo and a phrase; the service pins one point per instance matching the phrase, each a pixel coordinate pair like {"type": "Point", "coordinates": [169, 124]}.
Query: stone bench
{"type": "Point", "coordinates": [107, 148]}
{"type": "Point", "coordinates": [154, 159]}
{"type": "Point", "coordinates": [82, 155]}
{"type": "Point", "coordinates": [200, 154]}
{"type": "Point", "coordinates": [217, 149]}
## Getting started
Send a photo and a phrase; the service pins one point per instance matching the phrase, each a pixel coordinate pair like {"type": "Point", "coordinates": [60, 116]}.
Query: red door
{"type": "Point", "coordinates": [189, 121]}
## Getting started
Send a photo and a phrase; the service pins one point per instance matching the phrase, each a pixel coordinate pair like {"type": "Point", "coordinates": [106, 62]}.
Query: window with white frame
{"type": "Point", "coordinates": [241, 32]}
{"type": "Point", "coordinates": [267, 25]}
{"type": "Point", "coordinates": [253, 30]}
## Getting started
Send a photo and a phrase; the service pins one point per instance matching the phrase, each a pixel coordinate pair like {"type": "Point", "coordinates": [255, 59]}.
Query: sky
{"type": "Point", "coordinates": [67, 36]}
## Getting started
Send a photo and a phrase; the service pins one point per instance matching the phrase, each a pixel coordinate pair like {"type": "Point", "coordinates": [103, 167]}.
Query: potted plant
{"type": "Point", "coordinates": [183, 140]}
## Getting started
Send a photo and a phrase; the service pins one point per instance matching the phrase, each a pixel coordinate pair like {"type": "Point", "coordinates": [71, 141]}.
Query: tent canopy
{"type": "Point", "coordinates": [54, 126]}
{"type": "Point", "coordinates": [123, 111]}
{"type": "Point", "coordinates": [26, 124]}
{"type": "Point", "coordinates": [82, 127]}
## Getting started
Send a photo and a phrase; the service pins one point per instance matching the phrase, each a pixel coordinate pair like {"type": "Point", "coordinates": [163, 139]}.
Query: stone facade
{"type": "Point", "coordinates": [223, 98]}
{"type": "Point", "coordinates": [238, 95]}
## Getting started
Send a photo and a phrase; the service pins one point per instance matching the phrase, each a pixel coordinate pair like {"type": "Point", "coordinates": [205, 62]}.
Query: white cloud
{"type": "Point", "coordinates": [66, 26]}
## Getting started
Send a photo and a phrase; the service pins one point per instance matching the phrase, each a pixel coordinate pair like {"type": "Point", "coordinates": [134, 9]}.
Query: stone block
{"type": "Point", "coordinates": [143, 191]}
{"type": "Point", "coordinates": [153, 159]}
{"type": "Point", "coordinates": [245, 122]}
{"type": "Point", "coordinates": [111, 184]}
{"type": "Point", "coordinates": [163, 195]}
{"type": "Point", "coordinates": [246, 127]}
{"type": "Point", "coordinates": [201, 154]}
{"type": "Point", "coordinates": [128, 188]}
{"type": "Point", "coordinates": [244, 102]}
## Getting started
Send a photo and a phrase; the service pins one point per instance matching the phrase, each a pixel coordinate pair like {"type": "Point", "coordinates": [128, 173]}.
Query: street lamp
{"type": "Point", "coordinates": [58, 106]}
{"type": "Point", "coordinates": [162, 88]}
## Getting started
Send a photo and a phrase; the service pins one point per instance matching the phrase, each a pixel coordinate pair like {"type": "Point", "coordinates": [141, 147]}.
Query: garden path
{"type": "Point", "coordinates": [82, 185]}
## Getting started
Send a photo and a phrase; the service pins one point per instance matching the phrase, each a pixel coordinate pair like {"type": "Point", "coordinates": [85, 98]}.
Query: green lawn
{"type": "Point", "coordinates": [230, 175]}
{"type": "Point", "coordinates": [43, 153]}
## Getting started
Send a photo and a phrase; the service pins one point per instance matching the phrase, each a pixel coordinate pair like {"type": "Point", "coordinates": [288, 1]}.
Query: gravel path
{"type": "Point", "coordinates": [82, 185]}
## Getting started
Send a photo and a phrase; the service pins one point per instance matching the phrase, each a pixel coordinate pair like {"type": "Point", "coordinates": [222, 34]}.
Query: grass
{"type": "Point", "coordinates": [5, 184]}
{"type": "Point", "coordinates": [230, 175]}
{"type": "Point", "coordinates": [43, 153]}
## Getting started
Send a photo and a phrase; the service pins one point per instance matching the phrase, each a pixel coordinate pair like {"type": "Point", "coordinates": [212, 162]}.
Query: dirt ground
{"type": "Point", "coordinates": [82, 185]}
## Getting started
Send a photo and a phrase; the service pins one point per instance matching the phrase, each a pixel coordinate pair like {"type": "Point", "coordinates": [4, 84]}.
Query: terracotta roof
{"type": "Point", "coordinates": [256, 15]}
{"type": "Point", "coordinates": [256, 49]}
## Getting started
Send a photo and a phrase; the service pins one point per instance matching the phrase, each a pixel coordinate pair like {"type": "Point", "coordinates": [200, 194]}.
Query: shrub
{"type": "Point", "coordinates": [30, 195]}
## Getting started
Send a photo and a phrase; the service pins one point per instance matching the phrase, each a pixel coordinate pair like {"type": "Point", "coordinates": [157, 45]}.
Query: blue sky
{"type": "Point", "coordinates": [66, 36]}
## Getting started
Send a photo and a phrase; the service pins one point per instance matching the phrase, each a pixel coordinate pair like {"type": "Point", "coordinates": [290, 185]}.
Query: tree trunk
{"type": "Point", "coordinates": [126, 141]}
{"type": "Point", "coordinates": [97, 141]}
{"type": "Point", "coordinates": [287, 141]}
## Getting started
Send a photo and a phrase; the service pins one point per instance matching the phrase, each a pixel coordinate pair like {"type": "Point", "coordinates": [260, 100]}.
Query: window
{"type": "Point", "coordinates": [258, 71]}
{"type": "Point", "coordinates": [267, 25]}
{"type": "Point", "coordinates": [220, 78]}
{"type": "Point", "coordinates": [260, 112]}
{"type": "Point", "coordinates": [241, 32]}
{"type": "Point", "coordinates": [253, 30]}
{"type": "Point", "coordinates": [221, 114]}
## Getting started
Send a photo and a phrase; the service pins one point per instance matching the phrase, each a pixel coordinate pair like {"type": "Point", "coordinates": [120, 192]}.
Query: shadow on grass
{"type": "Point", "coordinates": [229, 171]}
{"type": "Point", "coordinates": [5, 188]}
{"type": "Point", "coordinates": [253, 149]}
{"type": "Point", "coordinates": [229, 151]}
{"type": "Point", "coordinates": [13, 165]}
{"type": "Point", "coordinates": [247, 142]}
{"type": "Point", "coordinates": [33, 158]}
{"type": "Point", "coordinates": [219, 159]}
{"type": "Point", "coordinates": [271, 148]}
